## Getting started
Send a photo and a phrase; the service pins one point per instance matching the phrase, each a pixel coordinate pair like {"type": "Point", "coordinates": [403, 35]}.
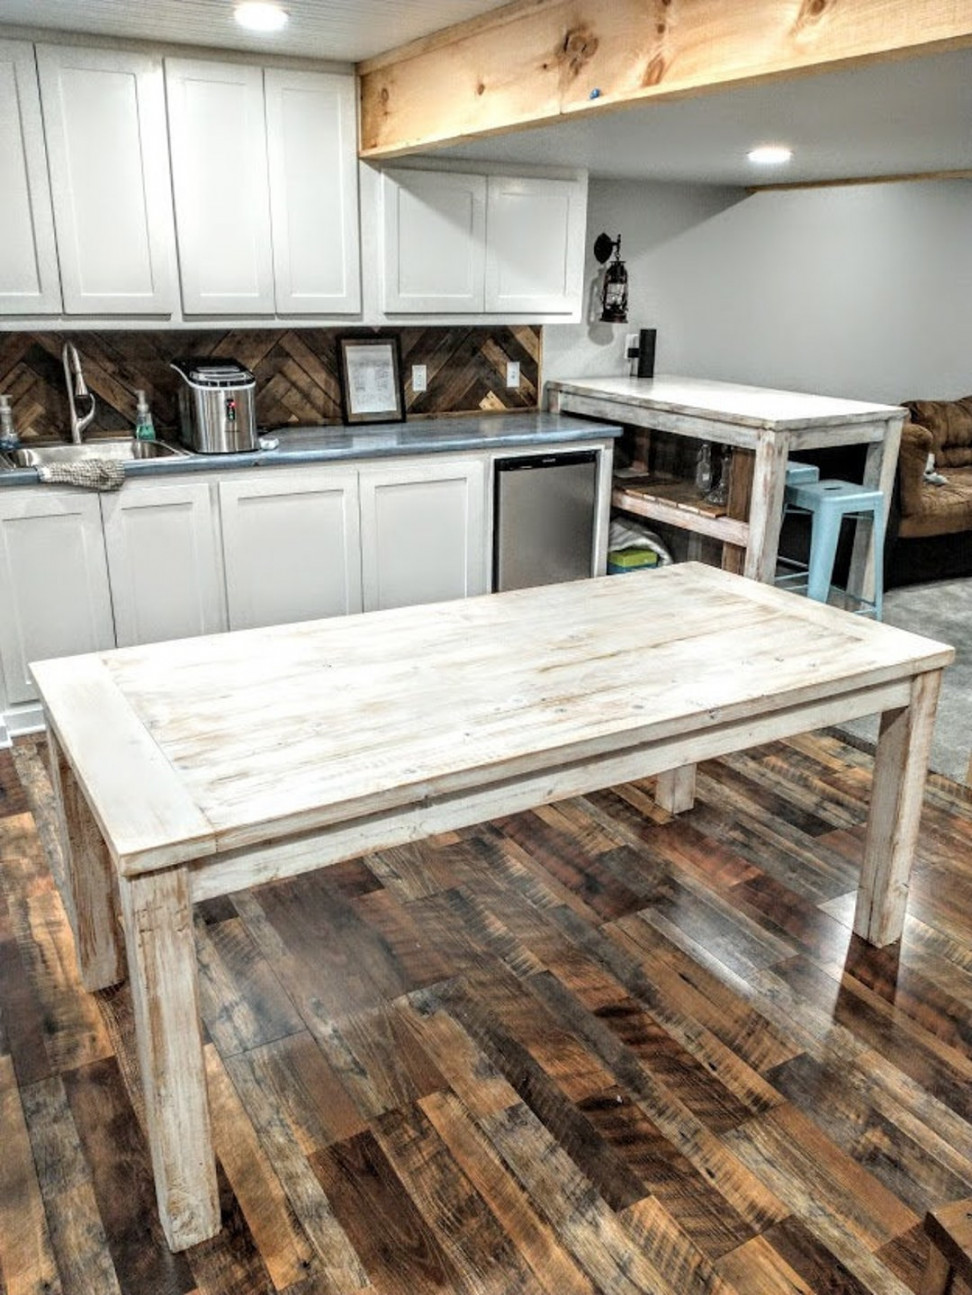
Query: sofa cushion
{"type": "Point", "coordinates": [950, 423]}
{"type": "Point", "coordinates": [944, 510]}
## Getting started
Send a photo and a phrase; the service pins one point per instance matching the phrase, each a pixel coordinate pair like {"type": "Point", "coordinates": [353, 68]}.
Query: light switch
{"type": "Point", "coordinates": [420, 378]}
{"type": "Point", "coordinates": [513, 373]}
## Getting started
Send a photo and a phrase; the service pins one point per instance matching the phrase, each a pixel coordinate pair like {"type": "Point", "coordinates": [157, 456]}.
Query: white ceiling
{"type": "Point", "coordinates": [343, 30]}
{"type": "Point", "coordinates": [892, 118]}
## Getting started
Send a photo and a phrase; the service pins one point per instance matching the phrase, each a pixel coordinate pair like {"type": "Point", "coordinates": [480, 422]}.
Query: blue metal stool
{"type": "Point", "coordinates": [799, 473]}
{"type": "Point", "coordinates": [828, 503]}
{"type": "Point", "coordinates": [794, 575]}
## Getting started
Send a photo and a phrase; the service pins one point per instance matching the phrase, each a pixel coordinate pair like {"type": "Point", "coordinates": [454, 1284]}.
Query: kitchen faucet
{"type": "Point", "coordinates": [76, 386]}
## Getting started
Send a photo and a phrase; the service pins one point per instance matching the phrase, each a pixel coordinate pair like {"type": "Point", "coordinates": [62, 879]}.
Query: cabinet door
{"type": "Point", "coordinates": [434, 226]}
{"type": "Point", "coordinates": [29, 282]}
{"type": "Point", "coordinates": [53, 581]}
{"type": "Point", "coordinates": [534, 245]}
{"type": "Point", "coordinates": [291, 546]}
{"type": "Point", "coordinates": [104, 116]}
{"type": "Point", "coordinates": [164, 561]}
{"type": "Point", "coordinates": [311, 147]}
{"type": "Point", "coordinates": [219, 175]}
{"type": "Point", "coordinates": [423, 533]}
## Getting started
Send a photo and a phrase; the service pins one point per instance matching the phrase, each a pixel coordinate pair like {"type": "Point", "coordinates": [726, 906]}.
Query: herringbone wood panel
{"type": "Point", "coordinates": [296, 372]}
{"type": "Point", "coordinates": [585, 1049]}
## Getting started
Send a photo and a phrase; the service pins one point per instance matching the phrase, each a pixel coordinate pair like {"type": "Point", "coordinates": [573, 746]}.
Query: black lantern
{"type": "Point", "coordinates": [614, 289]}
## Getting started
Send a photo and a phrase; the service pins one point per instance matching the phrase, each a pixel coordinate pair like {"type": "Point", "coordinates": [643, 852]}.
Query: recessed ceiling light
{"type": "Point", "coordinates": [770, 154]}
{"type": "Point", "coordinates": [256, 15]}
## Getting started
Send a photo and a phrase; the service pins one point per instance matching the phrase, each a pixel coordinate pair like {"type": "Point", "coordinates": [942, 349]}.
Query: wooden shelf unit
{"type": "Point", "coordinates": [675, 501]}
{"type": "Point", "coordinates": [763, 426]}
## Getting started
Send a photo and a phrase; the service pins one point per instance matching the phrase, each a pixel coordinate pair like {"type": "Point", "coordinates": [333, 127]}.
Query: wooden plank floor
{"type": "Point", "coordinates": [586, 1049]}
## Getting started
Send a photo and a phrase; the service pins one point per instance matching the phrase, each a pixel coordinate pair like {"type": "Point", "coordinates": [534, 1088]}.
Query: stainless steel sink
{"type": "Point", "coordinates": [123, 450]}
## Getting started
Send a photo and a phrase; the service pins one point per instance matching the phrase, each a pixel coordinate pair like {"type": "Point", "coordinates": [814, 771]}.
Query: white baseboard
{"type": "Point", "coordinates": [28, 718]}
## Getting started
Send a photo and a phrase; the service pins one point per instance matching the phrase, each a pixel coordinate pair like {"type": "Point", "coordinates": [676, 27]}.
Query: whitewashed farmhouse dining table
{"type": "Point", "coordinates": [192, 769]}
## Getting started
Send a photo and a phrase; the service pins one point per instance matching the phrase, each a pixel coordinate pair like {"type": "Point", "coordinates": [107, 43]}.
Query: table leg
{"type": "Point", "coordinates": [880, 467]}
{"type": "Point", "coordinates": [937, 1275]}
{"type": "Point", "coordinates": [900, 765]}
{"type": "Point", "coordinates": [90, 876]}
{"type": "Point", "coordinates": [766, 506]}
{"type": "Point", "coordinates": [162, 969]}
{"type": "Point", "coordinates": [675, 789]}
{"type": "Point", "coordinates": [738, 504]}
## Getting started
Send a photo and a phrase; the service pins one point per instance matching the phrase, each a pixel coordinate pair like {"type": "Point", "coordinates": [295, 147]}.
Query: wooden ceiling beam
{"type": "Point", "coordinates": [537, 61]}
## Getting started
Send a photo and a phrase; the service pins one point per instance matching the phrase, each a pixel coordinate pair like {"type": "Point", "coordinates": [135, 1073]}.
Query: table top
{"type": "Point", "coordinates": [729, 401]}
{"type": "Point", "coordinates": [199, 746]}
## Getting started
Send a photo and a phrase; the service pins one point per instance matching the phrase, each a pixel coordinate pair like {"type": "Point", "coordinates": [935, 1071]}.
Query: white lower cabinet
{"type": "Point", "coordinates": [290, 545]}
{"type": "Point", "coordinates": [54, 593]}
{"type": "Point", "coordinates": [423, 533]}
{"type": "Point", "coordinates": [164, 561]}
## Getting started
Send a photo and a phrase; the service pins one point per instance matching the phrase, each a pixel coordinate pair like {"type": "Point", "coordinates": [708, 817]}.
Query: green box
{"type": "Point", "coordinates": [622, 560]}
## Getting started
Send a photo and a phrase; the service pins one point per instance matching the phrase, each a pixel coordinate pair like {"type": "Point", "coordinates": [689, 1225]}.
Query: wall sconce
{"type": "Point", "coordinates": [614, 289]}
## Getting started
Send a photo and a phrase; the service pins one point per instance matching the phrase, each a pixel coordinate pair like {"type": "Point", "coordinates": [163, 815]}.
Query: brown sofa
{"type": "Point", "coordinates": [940, 516]}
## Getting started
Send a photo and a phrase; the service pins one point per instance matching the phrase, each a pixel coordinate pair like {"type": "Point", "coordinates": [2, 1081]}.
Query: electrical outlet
{"type": "Point", "coordinates": [631, 346]}
{"type": "Point", "coordinates": [420, 378]}
{"type": "Point", "coordinates": [513, 373]}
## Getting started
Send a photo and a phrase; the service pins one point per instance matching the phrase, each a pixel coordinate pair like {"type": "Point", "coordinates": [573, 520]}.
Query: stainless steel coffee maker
{"type": "Point", "coordinates": [217, 413]}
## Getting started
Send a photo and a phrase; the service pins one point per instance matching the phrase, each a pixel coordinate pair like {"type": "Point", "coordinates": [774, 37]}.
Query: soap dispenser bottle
{"type": "Point", "coordinates": [144, 426]}
{"type": "Point", "coordinates": [9, 440]}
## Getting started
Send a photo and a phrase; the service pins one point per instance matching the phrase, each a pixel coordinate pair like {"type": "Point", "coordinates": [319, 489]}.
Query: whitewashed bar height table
{"type": "Point", "coordinates": [193, 769]}
{"type": "Point", "coordinates": [768, 422]}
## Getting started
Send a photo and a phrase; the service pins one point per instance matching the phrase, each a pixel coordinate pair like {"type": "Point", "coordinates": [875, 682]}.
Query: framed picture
{"type": "Point", "coordinates": [371, 380]}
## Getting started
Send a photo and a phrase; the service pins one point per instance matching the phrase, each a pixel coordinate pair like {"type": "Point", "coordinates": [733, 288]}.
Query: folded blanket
{"type": "Point", "coordinates": [92, 474]}
{"type": "Point", "coordinates": [632, 534]}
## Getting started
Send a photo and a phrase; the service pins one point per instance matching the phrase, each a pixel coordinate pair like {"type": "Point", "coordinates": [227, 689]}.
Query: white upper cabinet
{"type": "Point", "coordinates": [265, 178]}
{"type": "Point", "coordinates": [217, 133]}
{"type": "Point", "coordinates": [534, 245]}
{"type": "Point", "coordinates": [104, 119]}
{"type": "Point", "coordinates": [456, 243]}
{"type": "Point", "coordinates": [29, 282]}
{"type": "Point", "coordinates": [433, 232]}
{"type": "Point", "coordinates": [311, 137]}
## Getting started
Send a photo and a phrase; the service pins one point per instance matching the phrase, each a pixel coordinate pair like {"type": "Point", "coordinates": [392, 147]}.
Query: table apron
{"type": "Point", "coordinates": [823, 438]}
{"type": "Point", "coordinates": [698, 426]}
{"type": "Point", "coordinates": [726, 430]}
{"type": "Point", "coordinates": [254, 865]}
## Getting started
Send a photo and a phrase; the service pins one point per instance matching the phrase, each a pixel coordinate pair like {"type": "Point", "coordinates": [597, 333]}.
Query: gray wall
{"type": "Point", "coordinates": [863, 291]}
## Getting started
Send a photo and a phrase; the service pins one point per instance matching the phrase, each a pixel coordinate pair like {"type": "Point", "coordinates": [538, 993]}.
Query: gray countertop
{"type": "Point", "coordinates": [376, 440]}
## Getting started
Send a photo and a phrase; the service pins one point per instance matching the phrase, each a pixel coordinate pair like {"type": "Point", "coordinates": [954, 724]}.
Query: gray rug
{"type": "Point", "coordinates": [941, 610]}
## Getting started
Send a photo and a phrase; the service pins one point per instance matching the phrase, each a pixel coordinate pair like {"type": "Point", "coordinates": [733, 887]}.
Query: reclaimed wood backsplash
{"type": "Point", "coordinates": [296, 372]}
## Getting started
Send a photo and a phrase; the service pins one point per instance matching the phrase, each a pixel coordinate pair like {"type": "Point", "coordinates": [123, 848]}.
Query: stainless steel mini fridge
{"type": "Point", "coordinates": [543, 519]}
